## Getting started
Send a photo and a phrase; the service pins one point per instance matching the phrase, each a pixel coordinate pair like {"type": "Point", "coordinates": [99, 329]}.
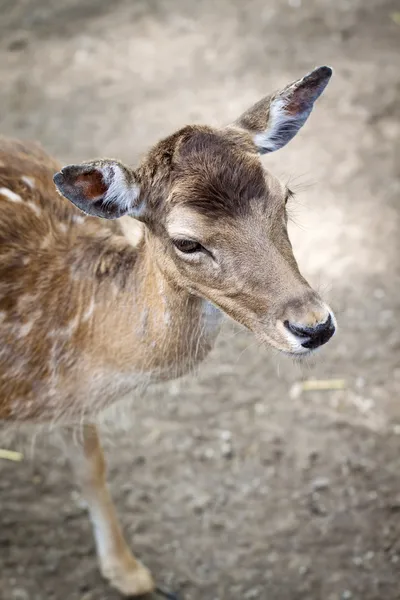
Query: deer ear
{"type": "Point", "coordinates": [276, 119]}
{"type": "Point", "coordinates": [103, 188]}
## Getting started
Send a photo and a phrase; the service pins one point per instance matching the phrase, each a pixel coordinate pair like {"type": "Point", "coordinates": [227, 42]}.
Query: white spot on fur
{"type": "Point", "coordinates": [25, 302]}
{"type": "Point", "coordinates": [35, 208]}
{"type": "Point", "coordinates": [143, 321]}
{"type": "Point", "coordinates": [29, 181]}
{"type": "Point", "coordinates": [25, 329]}
{"type": "Point", "coordinates": [71, 326]}
{"type": "Point", "coordinates": [78, 219]}
{"type": "Point", "coordinates": [62, 227]}
{"type": "Point", "coordinates": [89, 311]}
{"type": "Point", "coordinates": [45, 243]}
{"type": "Point", "coordinates": [10, 195]}
{"type": "Point", "coordinates": [132, 229]}
{"type": "Point", "coordinates": [66, 331]}
{"type": "Point", "coordinates": [13, 197]}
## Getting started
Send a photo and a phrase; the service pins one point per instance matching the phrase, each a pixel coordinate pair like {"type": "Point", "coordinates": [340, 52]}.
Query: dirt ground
{"type": "Point", "coordinates": [231, 485]}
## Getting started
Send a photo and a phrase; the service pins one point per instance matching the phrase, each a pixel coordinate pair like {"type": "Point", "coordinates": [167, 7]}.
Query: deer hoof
{"type": "Point", "coordinates": [130, 579]}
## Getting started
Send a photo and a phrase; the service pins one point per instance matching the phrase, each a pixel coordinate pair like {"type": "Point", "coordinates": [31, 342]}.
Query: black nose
{"type": "Point", "coordinates": [313, 336]}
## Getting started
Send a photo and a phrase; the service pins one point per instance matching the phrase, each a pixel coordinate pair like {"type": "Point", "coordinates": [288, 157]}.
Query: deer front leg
{"type": "Point", "coordinates": [117, 564]}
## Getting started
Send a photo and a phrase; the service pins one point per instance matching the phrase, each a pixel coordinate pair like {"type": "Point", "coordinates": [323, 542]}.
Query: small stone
{"type": "Point", "coordinates": [259, 408]}
{"type": "Point", "coordinates": [347, 595]}
{"type": "Point", "coordinates": [369, 555]}
{"type": "Point", "coordinates": [295, 391]}
{"type": "Point", "coordinates": [394, 559]}
{"type": "Point", "coordinates": [225, 435]}
{"type": "Point", "coordinates": [217, 525]}
{"type": "Point", "coordinates": [200, 504]}
{"type": "Point", "coordinates": [320, 483]}
{"type": "Point", "coordinates": [145, 497]}
{"type": "Point", "coordinates": [303, 570]}
{"type": "Point", "coordinates": [358, 561]}
{"type": "Point", "coordinates": [227, 450]}
{"type": "Point", "coordinates": [316, 506]}
{"type": "Point", "coordinates": [209, 453]}
{"type": "Point", "coordinates": [364, 405]}
{"type": "Point", "coordinates": [252, 593]}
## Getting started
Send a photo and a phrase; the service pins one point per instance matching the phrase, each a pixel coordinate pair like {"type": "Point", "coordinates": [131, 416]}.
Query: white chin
{"type": "Point", "coordinates": [299, 352]}
{"type": "Point", "coordinates": [295, 347]}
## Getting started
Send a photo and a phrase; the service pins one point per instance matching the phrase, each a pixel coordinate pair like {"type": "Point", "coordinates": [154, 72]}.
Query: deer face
{"type": "Point", "coordinates": [216, 219]}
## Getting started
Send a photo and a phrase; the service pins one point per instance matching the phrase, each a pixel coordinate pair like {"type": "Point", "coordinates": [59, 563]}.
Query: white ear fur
{"type": "Point", "coordinates": [281, 127]}
{"type": "Point", "coordinates": [125, 193]}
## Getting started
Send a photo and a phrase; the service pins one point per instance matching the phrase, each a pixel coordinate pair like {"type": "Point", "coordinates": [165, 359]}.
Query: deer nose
{"type": "Point", "coordinates": [313, 336]}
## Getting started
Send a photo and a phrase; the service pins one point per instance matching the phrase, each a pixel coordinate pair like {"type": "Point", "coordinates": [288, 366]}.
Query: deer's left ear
{"type": "Point", "coordinates": [276, 119]}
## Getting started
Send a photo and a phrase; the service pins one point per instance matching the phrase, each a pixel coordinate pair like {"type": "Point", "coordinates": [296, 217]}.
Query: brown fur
{"type": "Point", "coordinates": [220, 181]}
{"type": "Point", "coordinates": [87, 316]}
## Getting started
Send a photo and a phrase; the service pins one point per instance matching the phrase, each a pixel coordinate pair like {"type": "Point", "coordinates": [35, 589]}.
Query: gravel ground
{"type": "Point", "coordinates": [232, 483]}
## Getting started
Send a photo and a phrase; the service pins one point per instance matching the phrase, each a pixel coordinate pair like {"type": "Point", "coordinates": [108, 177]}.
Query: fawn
{"type": "Point", "coordinates": [88, 316]}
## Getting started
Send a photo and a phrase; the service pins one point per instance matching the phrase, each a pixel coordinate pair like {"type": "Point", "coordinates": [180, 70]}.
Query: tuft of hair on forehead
{"type": "Point", "coordinates": [215, 175]}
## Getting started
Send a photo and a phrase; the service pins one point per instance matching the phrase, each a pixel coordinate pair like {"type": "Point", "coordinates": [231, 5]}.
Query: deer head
{"type": "Point", "coordinates": [215, 218]}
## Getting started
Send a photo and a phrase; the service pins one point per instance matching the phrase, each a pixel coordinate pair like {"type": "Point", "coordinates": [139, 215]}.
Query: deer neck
{"type": "Point", "coordinates": [153, 327]}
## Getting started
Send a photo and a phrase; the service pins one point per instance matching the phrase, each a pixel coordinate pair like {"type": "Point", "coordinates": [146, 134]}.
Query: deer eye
{"type": "Point", "coordinates": [187, 246]}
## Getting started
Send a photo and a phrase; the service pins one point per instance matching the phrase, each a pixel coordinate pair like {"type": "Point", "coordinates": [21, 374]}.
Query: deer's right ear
{"type": "Point", "coordinates": [104, 188]}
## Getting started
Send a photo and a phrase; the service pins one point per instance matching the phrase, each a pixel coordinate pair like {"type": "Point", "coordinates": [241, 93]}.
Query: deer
{"type": "Point", "coordinates": [91, 313]}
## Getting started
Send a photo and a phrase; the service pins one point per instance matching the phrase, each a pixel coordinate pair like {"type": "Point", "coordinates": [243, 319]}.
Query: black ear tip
{"type": "Point", "coordinates": [325, 71]}
{"type": "Point", "coordinates": [319, 77]}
